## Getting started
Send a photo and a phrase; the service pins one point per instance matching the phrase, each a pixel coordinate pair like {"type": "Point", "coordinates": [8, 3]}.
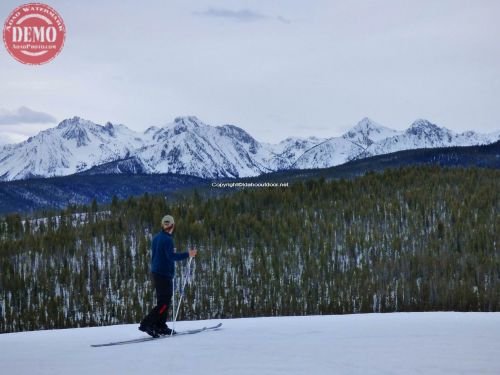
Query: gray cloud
{"type": "Point", "coordinates": [243, 15]}
{"type": "Point", "coordinates": [333, 64]}
{"type": "Point", "coordinates": [238, 15]}
{"type": "Point", "coordinates": [24, 115]}
{"type": "Point", "coordinates": [283, 19]}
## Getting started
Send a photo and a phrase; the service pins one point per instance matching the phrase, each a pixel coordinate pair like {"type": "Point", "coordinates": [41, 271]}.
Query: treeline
{"type": "Point", "coordinates": [414, 239]}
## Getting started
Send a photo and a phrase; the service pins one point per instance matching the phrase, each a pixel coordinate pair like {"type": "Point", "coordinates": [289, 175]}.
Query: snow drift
{"type": "Point", "coordinates": [397, 343]}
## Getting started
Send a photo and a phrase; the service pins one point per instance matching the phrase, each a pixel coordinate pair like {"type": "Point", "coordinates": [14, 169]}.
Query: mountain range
{"type": "Point", "coordinates": [189, 146]}
{"type": "Point", "coordinates": [82, 188]}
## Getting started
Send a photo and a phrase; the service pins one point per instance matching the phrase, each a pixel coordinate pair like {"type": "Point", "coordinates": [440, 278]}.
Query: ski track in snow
{"type": "Point", "coordinates": [397, 343]}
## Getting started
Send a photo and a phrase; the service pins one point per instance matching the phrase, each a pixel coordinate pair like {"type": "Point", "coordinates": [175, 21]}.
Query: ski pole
{"type": "Point", "coordinates": [173, 307]}
{"type": "Point", "coordinates": [186, 277]}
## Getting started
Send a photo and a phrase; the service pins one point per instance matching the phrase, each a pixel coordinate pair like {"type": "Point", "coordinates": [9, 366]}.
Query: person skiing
{"type": "Point", "coordinates": [163, 271]}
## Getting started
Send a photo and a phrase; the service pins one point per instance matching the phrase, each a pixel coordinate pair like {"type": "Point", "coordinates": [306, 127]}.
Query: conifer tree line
{"type": "Point", "coordinates": [414, 239]}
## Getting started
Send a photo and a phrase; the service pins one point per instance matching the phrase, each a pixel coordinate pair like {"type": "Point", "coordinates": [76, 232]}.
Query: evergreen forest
{"type": "Point", "coordinates": [410, 239]}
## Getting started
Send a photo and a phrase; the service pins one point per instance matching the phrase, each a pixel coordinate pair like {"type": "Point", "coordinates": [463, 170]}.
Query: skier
{"type": "Point", "coordinates": [163, 271]}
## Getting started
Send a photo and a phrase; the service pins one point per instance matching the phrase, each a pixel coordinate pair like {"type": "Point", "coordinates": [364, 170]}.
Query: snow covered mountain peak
{"type": "Point", "coordinates": [74, 145]}
{"type": "Point", "coordinates": [113, 128]}
{"type": "Point", "coordinates": [72, 122]}
{"type": "Point", "coordinates": [238, 134]}
{"type": "Point", "coordinates": [429, 132]}
{"type": "Point", "coordinates": [77, 129]}
{"type": "Point", "coordinates": [181, 125]}
{"type": "Point", "coordinates": [187, 122]}
{"type": "Point", "coordinates": [189, 146]}
{"type": "Point", "coordinates": [422, 125]}
{"type": "Point", "coordinates": [367, 123]}
{"type": "Point", "coordinates": [421, 134]}
{"type": "Point", "coordinates": [77, 123]}
{"type": "Point", "coordinates": [367, 132]}
{"type": "Point", "coordinates": [367, 126]}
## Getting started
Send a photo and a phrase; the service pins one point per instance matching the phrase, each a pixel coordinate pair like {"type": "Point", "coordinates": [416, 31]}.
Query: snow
{"type": "Point", "coordinates": [369, 130]}
{"type": "Point", "coordinates": [189, 146]}
{"type": "Point", "coordinates": [74, 145]}
{"type": "Point", "coordinates": [397, 343]}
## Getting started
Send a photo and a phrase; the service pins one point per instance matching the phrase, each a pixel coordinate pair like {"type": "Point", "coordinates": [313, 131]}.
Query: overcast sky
{"type": "Point", "coordinates": [275, 68]}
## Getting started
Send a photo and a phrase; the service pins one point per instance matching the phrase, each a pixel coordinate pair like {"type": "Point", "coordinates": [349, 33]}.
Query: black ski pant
{"type": "Point", "coordinates": [164, 289]}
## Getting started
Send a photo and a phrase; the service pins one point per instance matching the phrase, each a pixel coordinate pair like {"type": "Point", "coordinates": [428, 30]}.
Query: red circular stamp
{"type": "Point", "coordinates": [34, 33]}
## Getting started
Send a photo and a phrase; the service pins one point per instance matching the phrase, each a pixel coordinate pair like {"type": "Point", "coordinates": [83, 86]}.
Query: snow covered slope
{"type": "Point", "coordinates": [286, 153]}
{"type": "Point", "coordinates": [399, 344]}
{"type": "Point", "coordinates": [367, 132]}
{"type": "Point", "coordinates": [424, 134]}
{"type": "Point", "coordinates": [336, 151]}
{"type": "Point", "coordinates": [368, 138]}
{"type": "Point", "coordinates": [73, 146]}
{"type": "Point", "coordinates": [189, 146]}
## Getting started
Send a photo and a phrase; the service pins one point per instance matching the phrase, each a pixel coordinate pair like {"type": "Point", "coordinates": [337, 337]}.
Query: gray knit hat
{"type": "Point", "coordinates": [167, 219]}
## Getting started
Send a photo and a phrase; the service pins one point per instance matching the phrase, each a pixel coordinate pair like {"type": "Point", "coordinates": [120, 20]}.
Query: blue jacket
{"type": "Point", "coordinates": [163, 255]}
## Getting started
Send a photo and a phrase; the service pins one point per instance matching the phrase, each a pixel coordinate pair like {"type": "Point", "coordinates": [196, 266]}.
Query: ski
{"type": "Point", "coordinates": [144, 339]}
